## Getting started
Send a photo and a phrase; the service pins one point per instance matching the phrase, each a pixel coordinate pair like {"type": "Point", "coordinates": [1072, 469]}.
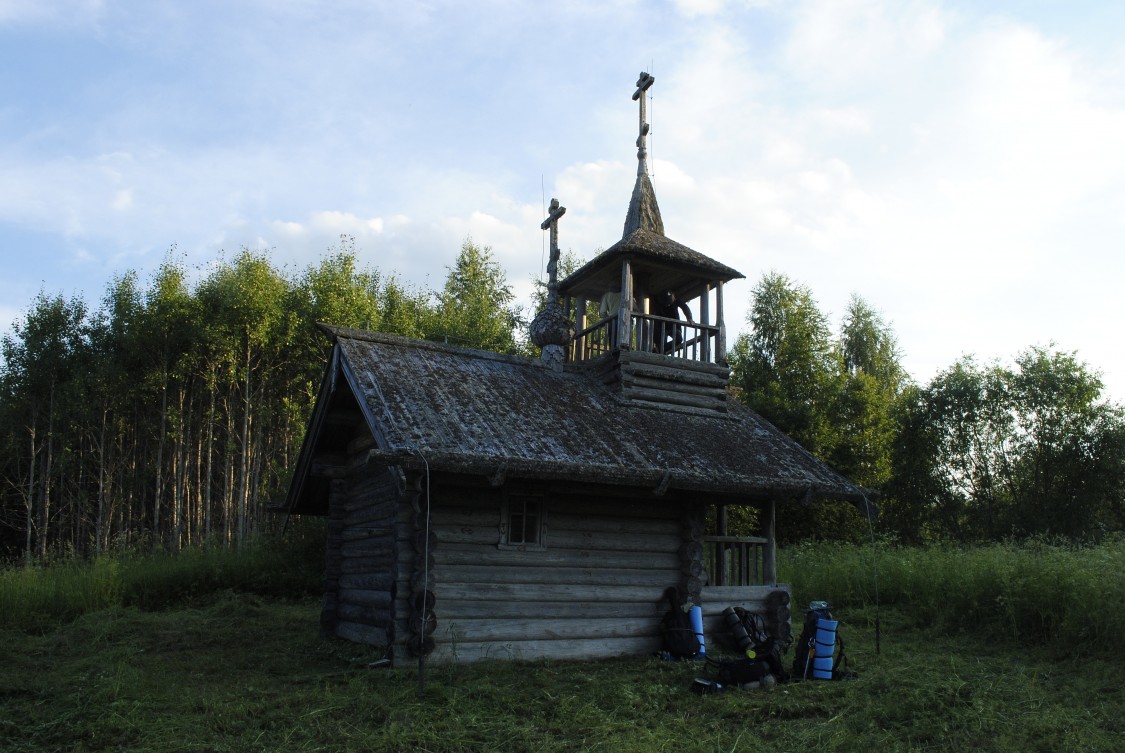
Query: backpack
{"type": "Point", "coordinates": [679, 639]}
{"type": "Point", "coordinates": [739, 671]}
{"type": "Point", "coordinates": [751, 635]}
{"type": "Point", "coordinates": [808, 648]}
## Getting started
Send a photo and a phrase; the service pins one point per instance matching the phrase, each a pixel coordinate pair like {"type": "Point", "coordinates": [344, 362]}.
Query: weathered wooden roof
{"type": "Point", "coordinates": [467, 411]}
{"type": "Point", "coordinates": [668, 264]}
{"type": "Point", "coordinates": [685, 266]}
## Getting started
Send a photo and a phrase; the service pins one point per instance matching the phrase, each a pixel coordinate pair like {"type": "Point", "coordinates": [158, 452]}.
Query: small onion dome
{"type": "Point", "coordinates": [551, 327]}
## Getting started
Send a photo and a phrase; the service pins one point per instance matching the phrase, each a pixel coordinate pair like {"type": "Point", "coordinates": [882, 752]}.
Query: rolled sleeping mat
{"type": "Point", "coordinates": [737, 629]}
{"type": "Point", "coordinates": [696, 617]}
{"type": "Point", "coordinates": [825, 644]}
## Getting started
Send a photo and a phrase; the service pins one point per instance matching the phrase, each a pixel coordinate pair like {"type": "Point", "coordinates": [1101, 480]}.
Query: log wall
{"type": "Point", "coordinates": [772, 602]}
{"type": "Point", "coordinates": [361, 560]}
{"type": "Point", "coordinates": [652, 379]}
{"type": "Point", "coordinates": [594, 590]}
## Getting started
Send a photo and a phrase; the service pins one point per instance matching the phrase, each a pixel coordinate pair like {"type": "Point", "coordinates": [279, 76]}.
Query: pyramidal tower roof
{"type": "Point", "coordinates": [644, 239]}
{"type": "Point", "coordinates": [644, 212]}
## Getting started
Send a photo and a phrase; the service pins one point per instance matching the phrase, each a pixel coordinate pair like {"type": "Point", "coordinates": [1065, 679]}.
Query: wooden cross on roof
{"type": "Point", "coordinates": [552, 222]}
{"type": "Point", "coordinates": [643, 84]}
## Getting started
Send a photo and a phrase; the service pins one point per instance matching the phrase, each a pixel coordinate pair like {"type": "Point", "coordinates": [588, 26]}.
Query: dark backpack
{"type": "Point", "coordinates": [803, 656]}
{"type": "Point", "coordinates": [752, 637]}
{"type": "Point", "coordinates": [679, 638]}
{"type": "Point", "coordinates": [739, 671]}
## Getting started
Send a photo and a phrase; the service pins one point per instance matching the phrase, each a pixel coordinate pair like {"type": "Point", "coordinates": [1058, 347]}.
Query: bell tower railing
{"type": "Point", "coordinates": [651, 334]}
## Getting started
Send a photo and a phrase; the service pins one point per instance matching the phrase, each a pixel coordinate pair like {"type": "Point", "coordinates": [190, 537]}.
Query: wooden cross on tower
{"type": "Point", "coordinates": [552, 222]}
{"type": "Point", "coordinates": [643, 83]}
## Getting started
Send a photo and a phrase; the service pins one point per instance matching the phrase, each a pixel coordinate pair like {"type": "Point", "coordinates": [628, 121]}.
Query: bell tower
{"type": "Point", "coordinates": [657, 332]}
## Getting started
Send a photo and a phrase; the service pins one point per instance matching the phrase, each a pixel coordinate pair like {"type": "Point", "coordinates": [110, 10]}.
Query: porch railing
{"type": "Point", "coordinates": [652, 334]}
{"type": "Point", "coordinates": [736, 560]}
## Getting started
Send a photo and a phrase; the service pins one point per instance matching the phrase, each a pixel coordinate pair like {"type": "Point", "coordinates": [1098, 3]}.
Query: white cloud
{"type": "Point", "coordinates": [692, 8]}
{"type": "Point", "coordinates": [346, 223]}
{"type": "Point", "coordinates": [843, 42]}
{"type": "Point", "coordinates": [963, 172]}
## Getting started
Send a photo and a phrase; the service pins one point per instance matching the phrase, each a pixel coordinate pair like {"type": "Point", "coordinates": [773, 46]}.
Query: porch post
{"type": "Point", "coordinates": [771, 544]}
{"type": "Point", "coordinates": [722, 552]}
{"type": "Point", "coordinates": [625, 313]}
{"type": "Point", "coordinates": [580, 324]}
{"type": "Point", "coordinates": [721, 345]}
{"type": "Point", "coordinates": [705, 320]}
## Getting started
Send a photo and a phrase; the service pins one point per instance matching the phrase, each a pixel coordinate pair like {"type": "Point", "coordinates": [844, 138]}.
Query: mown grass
{"type": "Point", "coordinates": [230, 661]}
{"type": "Point", "coordinates": [237, 672]}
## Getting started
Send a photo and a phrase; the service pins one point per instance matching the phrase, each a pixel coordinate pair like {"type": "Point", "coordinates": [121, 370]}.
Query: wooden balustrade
{"type": "Point", "coordinates": [737, 560]}
{"type": "Point", "coordinates": [653, 334]}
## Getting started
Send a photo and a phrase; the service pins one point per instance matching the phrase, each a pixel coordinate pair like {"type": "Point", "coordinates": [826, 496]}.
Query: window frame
{"type": "Point", "coordinates": [516, 503]}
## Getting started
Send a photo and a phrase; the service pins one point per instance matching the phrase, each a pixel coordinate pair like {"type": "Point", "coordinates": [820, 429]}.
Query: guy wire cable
{"type": "Point", "coordinates": [425, 579]}
{"type": "Point", "coordinates": [874, 571]}
{"type": "Point", "coordinates": [542, 236]}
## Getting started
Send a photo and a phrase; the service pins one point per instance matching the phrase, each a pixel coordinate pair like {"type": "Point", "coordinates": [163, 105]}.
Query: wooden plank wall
{"type": "Point", "coordinates": [594, 591]}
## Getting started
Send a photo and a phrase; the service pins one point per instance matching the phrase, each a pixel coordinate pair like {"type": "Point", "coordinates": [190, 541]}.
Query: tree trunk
{"type": "Point", "coordinates": [29, 499]}
{"type": "Point", "coordinates": [244, 456]}
{"type": "Point", "coordinates": [156, 522]}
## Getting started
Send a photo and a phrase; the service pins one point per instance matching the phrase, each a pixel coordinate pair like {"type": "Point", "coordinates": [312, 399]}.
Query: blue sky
{"type": "Point", "coordinates": [961, 165]}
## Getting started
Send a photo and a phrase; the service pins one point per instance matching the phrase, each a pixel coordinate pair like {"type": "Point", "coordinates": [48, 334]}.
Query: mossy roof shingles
{"type": "Point", "coordinates": [475, 412]}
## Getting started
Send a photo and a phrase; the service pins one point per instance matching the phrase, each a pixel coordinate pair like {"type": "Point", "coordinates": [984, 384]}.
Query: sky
{"type": "Point", "coordinates": [959, 165]}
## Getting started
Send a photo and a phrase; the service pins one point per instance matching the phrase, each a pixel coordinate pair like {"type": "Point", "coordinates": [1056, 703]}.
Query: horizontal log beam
{"type": "Point", "coordinates": [676, 397]}
{"type": "Point", "coordinates": [358, 633]}
{"type": "Point", "coordinates": [365, 615]}
{"type": "Point", "coordinates": [596, 648]}
{"type": "Point", "coordinates": [556, 576]}
{"type": "Point", "coordinates": [668, 373]}
{"type": "Point", "coordinates": [543, 592]}
{"type": "Point", "coordinates": [483, 630]}
{"type": "Point", "coordinates": [672, 385]}
{"type": "Point", "coordinates": [552, 556]}
{"type": "Point", "coordinates": [365, 597]}
{"type": "Point", "coordinates": [375, 581]}
{"type": "Point", "coordinates": [453, 610]}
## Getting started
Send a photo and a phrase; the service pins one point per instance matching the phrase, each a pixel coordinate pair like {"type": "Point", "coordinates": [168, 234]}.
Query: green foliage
{"type": "Point", "coordinates": [39, 598]}
{"type": "Point", "coordinates": [837, 398]}
{"type": "Point", "coordinates": [243, 673]}
{"type": "Point", "coordinates": [981, 453]}
{"type": "Point", "coordinates": [173, 413]}
{"type": "Point", "coordinates": [475, 306]}
{"type": "Point", "coordinates": [871, 385]}
{"type": "Point", "coordinates": [988, 451]}
{"type": "Point", "coordinates": [1068, 598]}
{"type": "Point", "coordinates": [785, 365]}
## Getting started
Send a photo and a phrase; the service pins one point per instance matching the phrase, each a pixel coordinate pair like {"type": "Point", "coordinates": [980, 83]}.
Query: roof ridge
{"type": "Point", "coordinates": [385, 338]}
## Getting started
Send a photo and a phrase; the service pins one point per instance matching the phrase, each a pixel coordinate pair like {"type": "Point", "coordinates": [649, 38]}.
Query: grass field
{"type": "Point", "coordinates": [227, 670]}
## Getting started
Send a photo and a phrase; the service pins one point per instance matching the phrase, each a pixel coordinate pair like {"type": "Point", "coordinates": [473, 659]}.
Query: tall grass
{"type": "Point", "coordinates": [1066, 596]}
{"type": "Point", "coordinates": [38, 598]}
{"type": "Point", "coordinates": [1071, 598]}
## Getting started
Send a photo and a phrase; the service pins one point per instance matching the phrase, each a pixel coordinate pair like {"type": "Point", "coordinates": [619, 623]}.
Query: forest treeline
{"type": "Point", "coordinates": [170, 415]}
{"type": "Point", "coordinates": [983, 452]}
